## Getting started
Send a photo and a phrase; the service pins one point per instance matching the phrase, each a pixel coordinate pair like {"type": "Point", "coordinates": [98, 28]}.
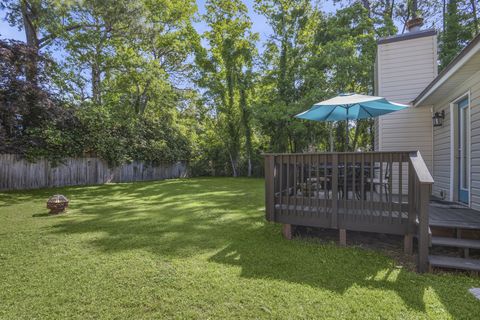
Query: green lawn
{"type": "Point", "coordinates": [197, 248]}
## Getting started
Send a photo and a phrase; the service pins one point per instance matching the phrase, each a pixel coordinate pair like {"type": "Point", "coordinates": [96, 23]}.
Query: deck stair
{"type": "Point", "coordinates": [455, 220]}
{"type": "Point", "coordinates": [461, 263]}
{"type": "Point", "coordinates": [455, 242]}
{"type": "Point", "coordinates": [454, 263]}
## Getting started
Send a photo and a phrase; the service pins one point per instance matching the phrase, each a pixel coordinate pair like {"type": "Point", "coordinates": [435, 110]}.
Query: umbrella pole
{"type": "Point", "coordinates": [331, 137]}
{"type": "Point", "coordinates": [347, 139]}
{"type": "Point", "coordinates": [346, 128]}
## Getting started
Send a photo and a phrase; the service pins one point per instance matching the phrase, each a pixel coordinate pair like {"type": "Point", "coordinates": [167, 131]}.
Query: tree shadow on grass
{"type": "Point", "coordinates": [177, 217]}
{"type": "Point", "coordinates": [10, 198]}
{"type": "Point", "coordinates": [338, 269]}
{"type": "Point", "coordinates": [183, 218]}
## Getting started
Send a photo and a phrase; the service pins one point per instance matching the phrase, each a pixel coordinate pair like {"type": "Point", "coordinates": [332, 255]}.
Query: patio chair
{"type": "Point", "coordinates": [315, 186]}
{"type": "Point", "coordinates": [382, 182]}
{"type": "Point", "coordinates": [343, 190]}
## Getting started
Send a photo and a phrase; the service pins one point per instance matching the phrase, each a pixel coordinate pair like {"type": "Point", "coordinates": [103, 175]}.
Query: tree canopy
{"type": "Point", "coordinates": [134, 80]}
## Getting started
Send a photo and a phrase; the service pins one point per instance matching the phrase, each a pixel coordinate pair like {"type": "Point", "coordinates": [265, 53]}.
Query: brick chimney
{"type": "Point", "coordinates": [414, 24]}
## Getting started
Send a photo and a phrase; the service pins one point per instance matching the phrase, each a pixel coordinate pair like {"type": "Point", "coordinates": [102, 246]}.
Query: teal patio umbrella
{"type": "Point", "coordinates": [350, 106]}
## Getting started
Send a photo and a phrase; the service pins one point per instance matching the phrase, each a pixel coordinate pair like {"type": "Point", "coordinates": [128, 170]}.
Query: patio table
{"type": "Point", "coordinates": [325, 178]}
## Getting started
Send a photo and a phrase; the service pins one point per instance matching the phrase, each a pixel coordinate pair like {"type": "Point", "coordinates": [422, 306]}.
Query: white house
{"type": "Point", "coordinates": [406, 72]}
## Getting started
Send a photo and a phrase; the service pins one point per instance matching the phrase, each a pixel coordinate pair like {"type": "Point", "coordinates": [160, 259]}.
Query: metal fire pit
{"type": "Point", "coordinates": [57, 203]}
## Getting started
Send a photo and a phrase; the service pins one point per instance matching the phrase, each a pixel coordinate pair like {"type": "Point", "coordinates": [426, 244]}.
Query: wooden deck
{"type": "Point", "coordinates": [383, 192]}
{"type": "Point", "coordinates": [453, 216]}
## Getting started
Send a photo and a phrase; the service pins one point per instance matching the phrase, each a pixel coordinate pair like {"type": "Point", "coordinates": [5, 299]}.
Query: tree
{"type": "Point", "coordinates": [309, 58]}
{"type": "Point", "coordinates": [350, 49]}
{"type": "Point", "coordinates": [460, 26]}
{"type": "Point", "coordinates": [43, 22]}
{"type": "Point", "coordinates": [381, 13]}
{"type": "Point", "coordinates": [34, 121]}
{"type": "Point", "coordinates": [124, 61]}
{"type": "Point", "coordinates": [132, 44]}
{"type": "Point", "coordinates": [245, 85]}
{"type": "Point", "coordinates": [284, 67]}
{"type": "Point", "coordinates": [223, 69]}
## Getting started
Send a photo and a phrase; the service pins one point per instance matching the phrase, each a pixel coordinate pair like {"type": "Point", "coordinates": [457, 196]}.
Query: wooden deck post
{"type": "Point", "coordinates": [269, 188]}
{"type": "Point", "coordinates": [334, 221]}
{"type": "Point", "coordinates": [287, 231]}
{"type": "Point", "coordinates": [343, 237]}
{"type": "Point", "coordinates": [423, 236]}
{"type": "Point", "coordinates": [408, 240]}
{"type": "Point", "coordinates": [408, 244]}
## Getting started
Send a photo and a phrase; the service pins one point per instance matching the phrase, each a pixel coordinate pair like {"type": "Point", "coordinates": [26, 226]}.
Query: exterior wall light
{"type": "Point", "coordinates": [438, 118]}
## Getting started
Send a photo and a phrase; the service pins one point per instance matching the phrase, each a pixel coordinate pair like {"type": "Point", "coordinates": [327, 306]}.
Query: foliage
{"type": "Point", "coordinates": [284, 69]}
{"type": "Point", "coordinates": [133, 80]}
{"type": "Point", "coordinates": [117, 80]}
{"type": "Point", "coordinates": [33, 119]}
{"type": "Point", "coordinates": [224, 71]}
{"type": "Point", "coordinates": [121, 136]}
{"type": "Point", "coordinates": [460, 26]}
{"type": "Point", "coordinates": [312, 57]}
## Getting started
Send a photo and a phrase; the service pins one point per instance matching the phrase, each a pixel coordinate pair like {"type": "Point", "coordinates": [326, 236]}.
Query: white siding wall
{"type": "Point", "coordinates": [475, 156]}
{"type": "Point", "coordinates": [442, 141]}
{"type": "Point", "coordinates": [441, 151]}
{"type": "Point", "coordinates": [404, 69]}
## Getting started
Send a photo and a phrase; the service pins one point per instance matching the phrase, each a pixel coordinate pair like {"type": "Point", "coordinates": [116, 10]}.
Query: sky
{"type": "Point", "coordinates": [260, 24]}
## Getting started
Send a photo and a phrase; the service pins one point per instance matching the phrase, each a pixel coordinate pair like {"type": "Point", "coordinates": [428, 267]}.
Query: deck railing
{"type": "Point", "coordinates": [385, 192]}
{"type": "Point", "coordinates": [421, 189]}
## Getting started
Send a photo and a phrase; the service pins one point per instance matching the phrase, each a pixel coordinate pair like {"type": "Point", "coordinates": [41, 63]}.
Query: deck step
{"type": "Point", "coordinates": [454, 242]}
{"type": "Point", "coordinates": [454, 263]}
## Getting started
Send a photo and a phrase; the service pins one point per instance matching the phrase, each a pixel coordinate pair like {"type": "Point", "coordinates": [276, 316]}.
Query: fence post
{"type": "Point", "coordinates": [269, 188]}
{"type": "Point", "coordinates": [423, 237]}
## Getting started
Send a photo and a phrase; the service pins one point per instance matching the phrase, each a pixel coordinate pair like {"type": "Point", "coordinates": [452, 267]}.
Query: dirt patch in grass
{"type": "Point", "coordinates": [387, 244]}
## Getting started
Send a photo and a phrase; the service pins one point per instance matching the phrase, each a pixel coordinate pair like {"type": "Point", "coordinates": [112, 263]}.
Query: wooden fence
{"type": "Point", "coordinates": [17, 173]}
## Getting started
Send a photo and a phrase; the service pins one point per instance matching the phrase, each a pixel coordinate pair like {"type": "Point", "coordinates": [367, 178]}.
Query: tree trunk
{"type": "Point", "coordinates": [355, 137]}
{"type": "Point", "coordinates": [96, 72]}
{"type": "Point", "coordinates": [246, 125]}
{"type": "Point", "coordinates": [392, 6]}
{"type": "Point", "coordinates": [474, 13]}
{"type": "Point", "coordinates": [95, 82]}
{"type": "Point", "coordinates": [444, 10]}
{"type": "Point", "coordinates": [29, 15]}
{"type": "Point", "coordinates": [232, 121]}
{"type": "Point", "coordinates": [414, 9]}
{"type": "Point", "coordinates": [248, 145]}
{"type": "Point", "coordinates": [283, 64]}
{"type": "Point", "coordinates": [233, 163]}
{"type": "Point", "coordinates": [409, 10]}
{"type": "Point", "coordinates": [366, 4]}
{"type": "Point", "coordinates": [372, 134]}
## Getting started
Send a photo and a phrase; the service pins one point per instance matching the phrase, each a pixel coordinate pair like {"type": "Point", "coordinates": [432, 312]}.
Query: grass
{"type": "Point", "coordinates": [196, 248]}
